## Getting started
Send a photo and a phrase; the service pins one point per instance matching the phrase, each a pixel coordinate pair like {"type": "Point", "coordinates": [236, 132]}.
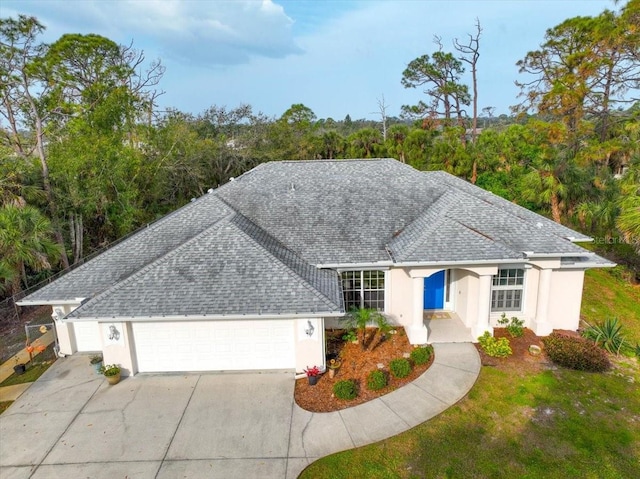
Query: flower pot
{"type": "Point", "coordinates": [113, 379]}
{"type": "Point", "coordinates": [313, 380]}
{"type": "Point", "coordinates": [97, 366]}
{"type": "Point", "coordinates": [19, 369]}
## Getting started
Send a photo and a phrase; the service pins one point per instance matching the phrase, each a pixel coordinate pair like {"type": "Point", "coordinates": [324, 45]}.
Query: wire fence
{"type": "Point", "coordinates": [13, 318]}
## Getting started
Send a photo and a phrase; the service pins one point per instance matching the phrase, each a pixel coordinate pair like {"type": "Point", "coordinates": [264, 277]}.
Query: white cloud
{"type": "Point", "coordinates": [191, 32]}
{"type": "Point", "coordinates": [340, 57]}
{"type": "Point", "coordinates": [213, 33]}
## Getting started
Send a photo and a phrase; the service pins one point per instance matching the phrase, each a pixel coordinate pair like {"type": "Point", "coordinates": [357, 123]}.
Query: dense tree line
{"type": "Point", "coordinates": [86, 158]}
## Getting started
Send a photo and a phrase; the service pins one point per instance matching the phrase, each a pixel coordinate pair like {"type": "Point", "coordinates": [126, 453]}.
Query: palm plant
{"type": "Point", "coordinates": [359, 319]}
{"type": "Point", "coordinates": [607, 334]}
{"type": "Point", "coordinates": [383, 327]}
{"type": "Point", "coordinates": [25, 242]}
{"type": "Point", "coordinates": [629, 220]}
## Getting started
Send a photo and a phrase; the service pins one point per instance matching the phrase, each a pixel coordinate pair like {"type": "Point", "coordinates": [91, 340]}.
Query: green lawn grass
{"type": "Point", "coordinates": [607, 295]}
{"type": "Point", "coordinates": [560, 423]}
{"type": "Point", "coordinates": [33, 372]}
{"type": "Point", "coordinates": [552, 424]}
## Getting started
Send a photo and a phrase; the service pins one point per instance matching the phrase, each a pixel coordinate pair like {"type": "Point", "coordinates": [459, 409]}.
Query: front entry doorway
{"type": "Point", "coordinates": [434, 290]}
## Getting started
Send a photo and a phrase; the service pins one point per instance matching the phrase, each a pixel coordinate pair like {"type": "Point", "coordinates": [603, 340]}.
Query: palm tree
{"type": "Point", "coordinates": [25, 242]}
{"type": "Point", "coordinates": [629, 220]}
{"type": "Point", "coordinates": [360, 318]}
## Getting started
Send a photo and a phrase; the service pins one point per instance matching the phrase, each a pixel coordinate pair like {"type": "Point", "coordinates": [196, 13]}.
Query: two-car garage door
{"type": "Point", "coordinates": [214, 345]}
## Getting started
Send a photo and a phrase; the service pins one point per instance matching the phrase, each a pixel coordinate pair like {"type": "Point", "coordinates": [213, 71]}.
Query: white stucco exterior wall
{"type": "Point", "coordinates": [309, 350]}
{"type": "Point", "coordinates": [565, 299]}
{"type": "Point", "coordinates": [64, 330]}
{"type": "Point", "coordinates": [399, 299]}
{"type": "Point", "coordinates": [118, 346]}
{"type": "Point", "coordinates": [466, 293]}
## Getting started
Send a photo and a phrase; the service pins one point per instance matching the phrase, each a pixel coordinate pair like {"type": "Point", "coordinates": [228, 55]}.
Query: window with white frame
{"type": "Point", "coordinates": [363, 289]}
{"type": "Point", "coordinates": [507, 290]}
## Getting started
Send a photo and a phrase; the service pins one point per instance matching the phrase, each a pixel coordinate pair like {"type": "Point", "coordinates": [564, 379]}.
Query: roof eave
{"type": "Point", "coordinates": [356, 266]}
{"type": "Point", "coordinates": [205, 317]}
{"type": "Point", "coordinates": [50, 302]}
{"type": "Point", "coordinates": [581, 239]}
{"type": "Point", "coordinates": [414, 264]}
{"type": "Point", "coordinates": [587, 265]}
{"type": "Point", "coordinates": [532, 255]}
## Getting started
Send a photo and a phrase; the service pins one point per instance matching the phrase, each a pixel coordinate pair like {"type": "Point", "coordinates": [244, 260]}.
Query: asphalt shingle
{"type": "Point", "coordinates": [257, 245]}
{"type": "Point", "coordinates": [232, 268]}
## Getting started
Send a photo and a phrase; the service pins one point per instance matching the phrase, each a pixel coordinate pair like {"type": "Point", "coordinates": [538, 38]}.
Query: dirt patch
{"type": "Point", "coordinates": [356, 365]}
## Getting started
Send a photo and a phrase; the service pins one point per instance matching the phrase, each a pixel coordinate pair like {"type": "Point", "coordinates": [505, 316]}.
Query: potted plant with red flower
{"type": "Point", "coordinates": [312, 374]}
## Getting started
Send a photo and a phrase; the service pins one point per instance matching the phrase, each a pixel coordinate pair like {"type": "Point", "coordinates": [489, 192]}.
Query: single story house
{"type": "Point", "coordinates": [249, 276]}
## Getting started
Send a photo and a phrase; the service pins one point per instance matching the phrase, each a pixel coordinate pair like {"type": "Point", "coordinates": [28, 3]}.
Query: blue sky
{"type": "Point", "coordinates": [336, 57]}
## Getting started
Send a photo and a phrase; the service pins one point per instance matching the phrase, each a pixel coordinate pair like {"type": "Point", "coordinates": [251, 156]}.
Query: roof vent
{"type": "Point", "coordinates": [231, 179]}
{"type": "Point", "coordinates": [210, 190]}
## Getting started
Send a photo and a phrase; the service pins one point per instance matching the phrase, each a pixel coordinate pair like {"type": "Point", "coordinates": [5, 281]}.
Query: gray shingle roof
{"type": "Point", "coordinates": [232, 268]}
{"type": "Point", "coordinates": [134, 253]}
{"type": "Point", "coordinates": [332, 211]}
{"type": "Point", "coordinates": [253, 245]}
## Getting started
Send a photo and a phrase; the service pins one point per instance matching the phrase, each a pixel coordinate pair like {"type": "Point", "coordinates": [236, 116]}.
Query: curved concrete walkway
{"type": "Point", "coordinates": [70, 423]}
{"type": "Point", "coordinates": [449, 379]}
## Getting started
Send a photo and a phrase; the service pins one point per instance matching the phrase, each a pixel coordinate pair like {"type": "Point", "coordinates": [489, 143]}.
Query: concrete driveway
{"type": "Point", "coordinates": [71, 423]}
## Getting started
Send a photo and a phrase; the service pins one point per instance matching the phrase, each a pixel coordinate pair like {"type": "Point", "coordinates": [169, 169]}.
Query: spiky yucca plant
{"type": "Point", "coordinates": [607, 334]}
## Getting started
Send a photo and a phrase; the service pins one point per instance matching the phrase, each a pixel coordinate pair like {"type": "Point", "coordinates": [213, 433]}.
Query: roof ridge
{"type": "Point", "coordinates": [430, 218]}
{"type": "Point", "coordinates": [115, 287]}
{"type": "Point", "coordinates": [486, 237]}
{"type": "Point", "coordinates": [329, 160]}
{"type": "Point", "coordinates": [483, 195]}
{"type": "Point", "coordinates": [149, 227]}
{"type": "Point", "coordinates": [239, 218]}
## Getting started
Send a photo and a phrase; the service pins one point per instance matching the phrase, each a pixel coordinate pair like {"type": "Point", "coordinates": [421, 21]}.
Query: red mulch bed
{"type": "Point", "coordinates": [521, 359]}
{"type": "Point", "coordinates": [356, 364]}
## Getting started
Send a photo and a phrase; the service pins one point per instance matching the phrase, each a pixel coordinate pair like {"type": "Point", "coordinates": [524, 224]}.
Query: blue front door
{"type": "Point", "coordinates": [434, 291]}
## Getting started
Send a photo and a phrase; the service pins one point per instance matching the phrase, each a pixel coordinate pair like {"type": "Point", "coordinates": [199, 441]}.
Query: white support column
{"type": "Point", "coordinates": [64, 331]}
{"type": "Point", "coordinates": [484, 307]}
{"type": "Point", "coordinates": [417, 332]}
{"type": "Point", "coordinates": [541, 325]}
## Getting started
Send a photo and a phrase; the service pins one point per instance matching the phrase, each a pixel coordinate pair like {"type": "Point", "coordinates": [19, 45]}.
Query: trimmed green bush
{"type": "Point", "coordinates": [575, 353]}
{"type": "Point", "coordinates": [345, 389]}
{"type": "Point", "coordinates": [495, 347]}
{"type": "Point", "coordinates": [376, 380]}
{"type": "Point", "coordinates": [400, 368]}
{"type": "Point", "coordinates": [421, 355]}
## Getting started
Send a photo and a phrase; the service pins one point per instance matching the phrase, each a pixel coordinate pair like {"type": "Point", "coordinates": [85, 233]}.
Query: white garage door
{"type": "Point", "coordinates": [87, 336]}
{"type": "Point", "coordinates": [214, 345]}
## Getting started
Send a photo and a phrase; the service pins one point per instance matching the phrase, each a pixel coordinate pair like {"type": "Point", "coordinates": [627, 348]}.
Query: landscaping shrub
{"type": "Point", "coordinates": [607, 334]}
{"type": "Point", "coordinates": [514, 326]}
{"type": "Point", "coordinates": [350, 336]}
{"type": "Point", "coordinates": [575, 353]}
{"type": "Point", "coordinates": [495, 347]}
{"type": "Point", "coordinates": [421, 355]}
{"type": "Point", "coordinates": [400, 368]}
{"type": "Point", "coordinates": [376, 380]}
{"type": "Point", "coordinates": [345, 389]}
